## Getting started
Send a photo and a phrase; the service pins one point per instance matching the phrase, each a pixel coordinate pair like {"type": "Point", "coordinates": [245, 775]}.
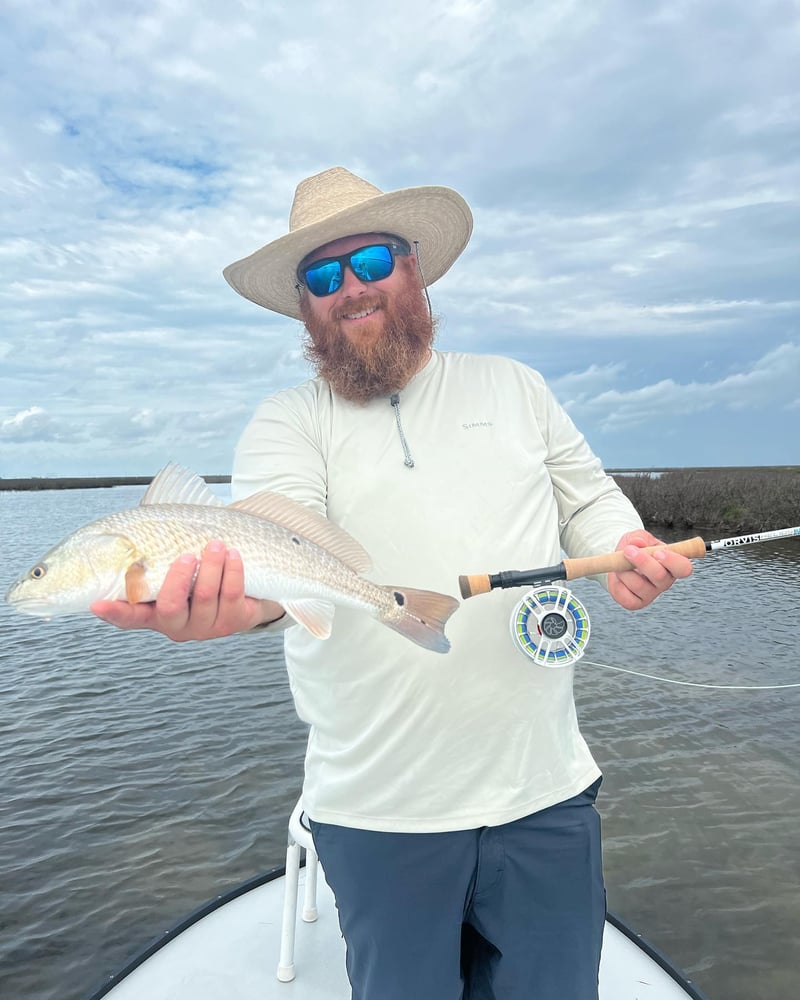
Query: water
{"type": "Point", "coordinates": [139, 778]}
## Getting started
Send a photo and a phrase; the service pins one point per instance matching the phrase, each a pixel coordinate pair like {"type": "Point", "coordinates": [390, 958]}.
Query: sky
{"type": "Point", "coordinates": [633, 169]}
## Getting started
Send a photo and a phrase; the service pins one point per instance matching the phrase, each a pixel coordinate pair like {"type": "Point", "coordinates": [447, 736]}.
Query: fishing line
{"type": "Point", "coordinates": [551, 626]}
{"type": "Point", "coordinates": [696, 684]}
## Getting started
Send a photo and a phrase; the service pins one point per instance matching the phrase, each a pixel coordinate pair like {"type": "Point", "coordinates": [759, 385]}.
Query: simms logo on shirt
{"type": "Point", "coordinates": [477, 423]}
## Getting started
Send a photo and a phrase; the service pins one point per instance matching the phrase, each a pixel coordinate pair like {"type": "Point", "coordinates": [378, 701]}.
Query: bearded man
{"type": "Point", "coordinates": [346, 340]}
{"type": "Point", "coordinates": [451, 798]}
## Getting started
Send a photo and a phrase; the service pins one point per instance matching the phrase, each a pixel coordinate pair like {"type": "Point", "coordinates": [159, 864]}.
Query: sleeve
{"type": "Point", "coordinates": [281, 449]}
{"type": "Point", "coordinates": [594, 513]}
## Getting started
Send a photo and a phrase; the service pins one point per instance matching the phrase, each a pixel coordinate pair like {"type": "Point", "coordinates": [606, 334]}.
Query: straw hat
{"type": "Point", "coordinates": [337, 203]}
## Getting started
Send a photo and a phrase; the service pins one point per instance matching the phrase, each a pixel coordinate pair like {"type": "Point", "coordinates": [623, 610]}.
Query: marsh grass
{"type": "Point", "coordinates": [735, 500]}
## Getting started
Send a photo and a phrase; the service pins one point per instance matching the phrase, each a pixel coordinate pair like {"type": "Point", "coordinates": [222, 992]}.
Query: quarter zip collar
{"type": "Point", "coordinates": [394, 399]}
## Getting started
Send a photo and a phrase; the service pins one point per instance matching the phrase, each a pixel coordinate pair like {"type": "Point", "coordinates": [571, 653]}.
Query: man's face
{"type": "Point", "coordinates": [368, 339]}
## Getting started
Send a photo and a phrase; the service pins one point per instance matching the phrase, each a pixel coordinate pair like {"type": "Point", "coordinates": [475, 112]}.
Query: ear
{"type": "Point", "coordinates": [410, 263]}
{"type": "Point", "coordinates": [302, 298]}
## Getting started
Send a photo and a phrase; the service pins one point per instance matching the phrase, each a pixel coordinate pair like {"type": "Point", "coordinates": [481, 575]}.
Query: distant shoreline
{"type": "Point", "coordinates": [85, 482]}
{"type": "Point", "coordinates": [730, 500]}
{"type": "Point", "coordinates": [102, 482]}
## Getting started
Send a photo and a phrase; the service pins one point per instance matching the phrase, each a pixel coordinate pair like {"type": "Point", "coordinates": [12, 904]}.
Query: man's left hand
{"type": "Point", "coordinates": [651, 574]}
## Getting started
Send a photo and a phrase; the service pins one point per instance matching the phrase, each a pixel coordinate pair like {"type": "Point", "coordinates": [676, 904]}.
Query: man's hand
{"type": "Point", "coordinates": [218, 605]}
{"type": "Point", "coordinates": [652, 572]}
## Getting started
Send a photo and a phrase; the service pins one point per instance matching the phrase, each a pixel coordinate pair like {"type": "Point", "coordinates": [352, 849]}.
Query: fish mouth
{"type": "Point", "coordinates": [39, 609]}
{"type": "Point", "coordinates": [37, 606]}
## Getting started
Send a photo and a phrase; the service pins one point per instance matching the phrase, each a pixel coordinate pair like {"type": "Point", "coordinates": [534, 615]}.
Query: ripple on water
{"type": "Point", "coordinates": [141, 778]}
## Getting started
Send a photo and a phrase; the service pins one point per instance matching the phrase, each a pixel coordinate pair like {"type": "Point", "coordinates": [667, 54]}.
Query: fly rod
{"type": "Point", "coordinates": [610, 562]}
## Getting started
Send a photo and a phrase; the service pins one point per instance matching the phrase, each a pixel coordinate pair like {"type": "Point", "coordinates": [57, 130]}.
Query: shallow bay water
{"type": "Point", "coordinates": [140, 778]}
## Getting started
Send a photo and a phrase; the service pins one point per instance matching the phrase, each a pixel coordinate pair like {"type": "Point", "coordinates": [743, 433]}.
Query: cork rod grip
{"type": "Point", "coordinates": [478, 583]}
{"type": "Point", "coordinates": [615, 562]}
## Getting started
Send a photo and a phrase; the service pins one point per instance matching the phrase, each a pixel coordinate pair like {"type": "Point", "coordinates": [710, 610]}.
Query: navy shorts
{"type": "Point", "coordinates": [498, 913]}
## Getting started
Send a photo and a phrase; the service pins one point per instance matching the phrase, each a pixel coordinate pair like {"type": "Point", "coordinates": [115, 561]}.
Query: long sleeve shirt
{"type": "Point", "coordinates": [403, 739]}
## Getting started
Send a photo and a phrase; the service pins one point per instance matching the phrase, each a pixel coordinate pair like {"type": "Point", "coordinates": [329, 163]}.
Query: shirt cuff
{"type": "Point", "coordinates": [279, 625]}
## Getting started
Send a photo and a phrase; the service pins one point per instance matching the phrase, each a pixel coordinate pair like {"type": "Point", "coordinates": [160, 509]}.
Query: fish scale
{"type": "Point", "coordinates": [273, 556]}
{"type": "Point", "coordinates": [290, 555]}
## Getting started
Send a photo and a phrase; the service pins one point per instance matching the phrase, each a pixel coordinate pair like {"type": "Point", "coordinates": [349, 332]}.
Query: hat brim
{"type": "Point", "coordinates": [437, 218]}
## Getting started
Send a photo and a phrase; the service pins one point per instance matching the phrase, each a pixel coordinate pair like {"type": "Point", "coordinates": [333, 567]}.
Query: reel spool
{"type": "Point", "coordinates": [551, 626]}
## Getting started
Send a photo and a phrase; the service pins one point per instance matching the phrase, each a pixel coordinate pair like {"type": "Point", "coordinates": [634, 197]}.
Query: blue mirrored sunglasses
{"type": "Point", "coordinates": [370, 263]}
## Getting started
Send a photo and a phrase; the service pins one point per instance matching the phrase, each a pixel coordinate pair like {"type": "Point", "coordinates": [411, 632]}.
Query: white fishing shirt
{"type": "Point", "coordinates": [403, 739]}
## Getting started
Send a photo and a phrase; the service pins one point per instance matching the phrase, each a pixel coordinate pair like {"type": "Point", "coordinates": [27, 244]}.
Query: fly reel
{"type": "Point", "coordinates": [551, 626]}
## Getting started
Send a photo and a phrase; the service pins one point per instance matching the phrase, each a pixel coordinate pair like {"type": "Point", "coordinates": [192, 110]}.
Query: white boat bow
{"type": "Point", "coordinates": [231, 948]}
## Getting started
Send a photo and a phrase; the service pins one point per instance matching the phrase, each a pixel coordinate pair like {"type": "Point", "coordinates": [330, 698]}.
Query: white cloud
{"type": "Point", "coordinates": [587, 383]}
{"type": "Point", "coordinates": [631, 169]}
{"type": "Point", "coordinates": [782, 111]}
{"type": "Point", "coordinates": [28, 425]}
{"type": "Point", "coordinates": [770, 382]}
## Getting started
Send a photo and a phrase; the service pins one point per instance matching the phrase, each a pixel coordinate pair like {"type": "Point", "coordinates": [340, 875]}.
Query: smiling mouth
{"type": "Point", "coordinates": [362, 314]}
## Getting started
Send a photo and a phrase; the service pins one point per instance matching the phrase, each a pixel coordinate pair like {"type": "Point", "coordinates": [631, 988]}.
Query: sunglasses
{"type": "Point", "coordinates": [371, 263]}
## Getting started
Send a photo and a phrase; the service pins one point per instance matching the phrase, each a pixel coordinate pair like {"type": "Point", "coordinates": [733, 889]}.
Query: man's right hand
{"type": "Point", "coordinates": [218, 604]}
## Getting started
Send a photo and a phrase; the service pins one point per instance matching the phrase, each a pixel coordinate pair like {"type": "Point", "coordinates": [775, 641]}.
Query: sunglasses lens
{"type": "Point", "coordinates": [372, 263]}
{"type": "Point", "coordinates": [325, 278]}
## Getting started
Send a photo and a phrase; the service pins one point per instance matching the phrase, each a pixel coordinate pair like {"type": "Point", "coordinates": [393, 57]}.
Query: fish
{"type": "Point", "coordinates": [290, 554]}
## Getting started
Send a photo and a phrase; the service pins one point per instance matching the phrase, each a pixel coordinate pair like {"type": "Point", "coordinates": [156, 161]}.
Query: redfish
{"type": "Point", "coordinates": [290, 554]}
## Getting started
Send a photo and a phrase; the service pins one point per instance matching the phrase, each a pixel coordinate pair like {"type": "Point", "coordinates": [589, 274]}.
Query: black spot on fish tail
{"type": "Point", "coordinates": [422, 618]}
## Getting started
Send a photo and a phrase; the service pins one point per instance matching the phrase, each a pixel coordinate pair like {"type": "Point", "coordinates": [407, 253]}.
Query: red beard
{"type": "Point", "coordinates": [375, 366]}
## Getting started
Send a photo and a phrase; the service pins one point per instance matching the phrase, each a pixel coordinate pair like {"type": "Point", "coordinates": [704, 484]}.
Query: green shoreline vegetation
{"type": "Point", "coordinates": [734, 499]}
{"type": "Point", "coordinates": [86, 482]}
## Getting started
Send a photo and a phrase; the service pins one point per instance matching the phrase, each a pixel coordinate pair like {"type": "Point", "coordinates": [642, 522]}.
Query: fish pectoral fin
{"type": "Point", "coordinates": [110, 553]}
{"type": "Point", "coordinates": [137, 590]}
{"type": "Point", "coordinates": [313, 614]}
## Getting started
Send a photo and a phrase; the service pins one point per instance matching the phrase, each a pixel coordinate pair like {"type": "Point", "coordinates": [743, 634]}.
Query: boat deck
{"type": "Point", "coordinates": [231, 948]}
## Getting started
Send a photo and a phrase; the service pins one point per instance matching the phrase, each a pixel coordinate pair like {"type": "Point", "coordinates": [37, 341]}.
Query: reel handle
{"type": "Point", "coordinates": [615, 562]}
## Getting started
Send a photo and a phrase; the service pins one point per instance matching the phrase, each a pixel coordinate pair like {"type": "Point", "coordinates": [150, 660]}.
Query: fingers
{"type": "Point", "coordinates": [218, 605]}
{"type": "Point", "coordinates": [652, 573]}
{"type": "Point", "coordinates": [660, 568]}
{"type": "Point", "coordinates": [235, 612]}
{"type": "Point", "coordinates": [199, 599]}
{"type": "Point", "coordinates": [199, 617]}
{"type": "Point", "coordinates": [171, 611]}
{"type": "Point", "coordinates": [124, 615]}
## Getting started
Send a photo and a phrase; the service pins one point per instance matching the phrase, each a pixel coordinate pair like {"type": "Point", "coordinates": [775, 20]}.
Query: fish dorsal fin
{"type": "Point", "coordinates": [175, 484]}
{"type": "Point", "coordinates": [309, 524]}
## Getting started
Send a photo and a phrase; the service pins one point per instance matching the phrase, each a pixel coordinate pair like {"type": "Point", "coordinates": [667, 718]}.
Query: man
{"type": "Point", "coordinates": [451, 797]}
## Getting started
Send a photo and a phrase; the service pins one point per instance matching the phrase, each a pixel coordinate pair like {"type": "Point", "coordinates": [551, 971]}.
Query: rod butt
{"type": "Point", "coordinates": [472, 585]}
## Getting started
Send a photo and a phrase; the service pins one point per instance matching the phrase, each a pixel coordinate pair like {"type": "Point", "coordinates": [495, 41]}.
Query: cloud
{"type": "Point", "coordinates": [771, 382]}
{"type": "Point", "coordinates": [632, 171]}
{"type": "Point", "coordinates": [33, 424]}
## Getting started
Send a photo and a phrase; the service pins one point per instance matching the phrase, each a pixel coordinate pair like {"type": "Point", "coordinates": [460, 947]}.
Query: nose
{"type": "Point", "coordinates": [351, 283]}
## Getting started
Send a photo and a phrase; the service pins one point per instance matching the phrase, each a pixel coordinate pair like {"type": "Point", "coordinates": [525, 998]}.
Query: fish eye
{"type": "Point", "coordinates": [38, 572]}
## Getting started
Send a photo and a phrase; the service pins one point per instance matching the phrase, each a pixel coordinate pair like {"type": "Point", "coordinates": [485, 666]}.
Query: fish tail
{"type": "Point", "coordinates": [421, 615]}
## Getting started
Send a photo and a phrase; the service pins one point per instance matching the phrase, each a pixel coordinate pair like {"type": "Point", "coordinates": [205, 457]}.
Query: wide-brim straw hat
{"type": "Point", "coordinates": [337, 203]}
